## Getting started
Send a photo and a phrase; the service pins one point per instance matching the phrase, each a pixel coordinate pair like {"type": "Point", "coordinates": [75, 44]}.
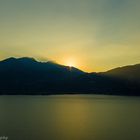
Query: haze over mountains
{"type": "Point", "coordinates": [28, 76]}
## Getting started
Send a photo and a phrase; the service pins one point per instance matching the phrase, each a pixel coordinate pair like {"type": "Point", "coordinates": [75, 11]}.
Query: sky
{"type": "Point", "coordinates": [92, 35]}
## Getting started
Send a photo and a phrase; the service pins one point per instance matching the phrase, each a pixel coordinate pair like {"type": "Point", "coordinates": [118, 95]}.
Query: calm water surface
{"type": "Point", "coordinates": [76, 117]}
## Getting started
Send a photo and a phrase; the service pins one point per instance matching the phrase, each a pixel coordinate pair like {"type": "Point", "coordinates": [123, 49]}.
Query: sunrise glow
{"type": "Point", "coordinates": [91, 35]}
{"type": "Point", "coordinates": [70, 63]}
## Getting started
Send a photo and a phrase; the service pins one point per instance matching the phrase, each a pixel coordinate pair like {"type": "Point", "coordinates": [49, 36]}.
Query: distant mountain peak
{"type": "Point", "coordinates": [9, 59]}
{"type": "Point", "coordinates": [26, 59]}
{"type": "Point", "coordinates": [22, 59]}
{"type": "Point", "coordinates": [34, 64]}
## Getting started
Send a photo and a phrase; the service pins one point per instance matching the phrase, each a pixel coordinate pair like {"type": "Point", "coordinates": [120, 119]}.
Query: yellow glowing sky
{"type": "Point", "coordinates": [93, 35]}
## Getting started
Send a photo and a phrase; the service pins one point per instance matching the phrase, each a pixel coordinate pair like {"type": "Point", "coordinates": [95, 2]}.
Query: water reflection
{"type": "Point", "coordinates": [69, 117]}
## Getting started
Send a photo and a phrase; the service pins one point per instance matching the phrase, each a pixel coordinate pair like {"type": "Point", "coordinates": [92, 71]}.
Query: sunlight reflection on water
{"type": "Point", "coordinates": [67, 117]}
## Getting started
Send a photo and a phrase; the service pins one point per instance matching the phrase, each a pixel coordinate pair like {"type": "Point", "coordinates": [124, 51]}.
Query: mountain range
{"type": "Point", "coordinates": [30, 77]}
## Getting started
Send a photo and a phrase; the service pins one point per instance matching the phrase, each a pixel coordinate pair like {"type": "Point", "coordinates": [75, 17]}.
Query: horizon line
{"type": "Point", "coordinates": [55, 62]}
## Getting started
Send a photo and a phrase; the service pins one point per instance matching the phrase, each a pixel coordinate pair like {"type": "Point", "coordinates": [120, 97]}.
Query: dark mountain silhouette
{"type": "Point", "coordinates": [28, 76]}
{"type": "Point", "coordinates": [130, 73]}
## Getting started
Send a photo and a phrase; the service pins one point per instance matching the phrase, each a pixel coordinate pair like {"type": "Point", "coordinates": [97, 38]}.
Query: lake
{"type": "Point", "coordinates": [70, 117]}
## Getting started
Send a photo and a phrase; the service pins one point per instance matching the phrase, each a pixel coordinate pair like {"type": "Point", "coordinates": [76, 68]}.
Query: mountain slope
{"type": "Point", "coordinates": [28, 76]}
{"type": "Point", "coordinates": [131, 73]}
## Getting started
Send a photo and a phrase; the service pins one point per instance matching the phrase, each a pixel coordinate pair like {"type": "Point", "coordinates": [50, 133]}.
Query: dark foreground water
{"type": "Point", "coordinates": [70, 117]}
